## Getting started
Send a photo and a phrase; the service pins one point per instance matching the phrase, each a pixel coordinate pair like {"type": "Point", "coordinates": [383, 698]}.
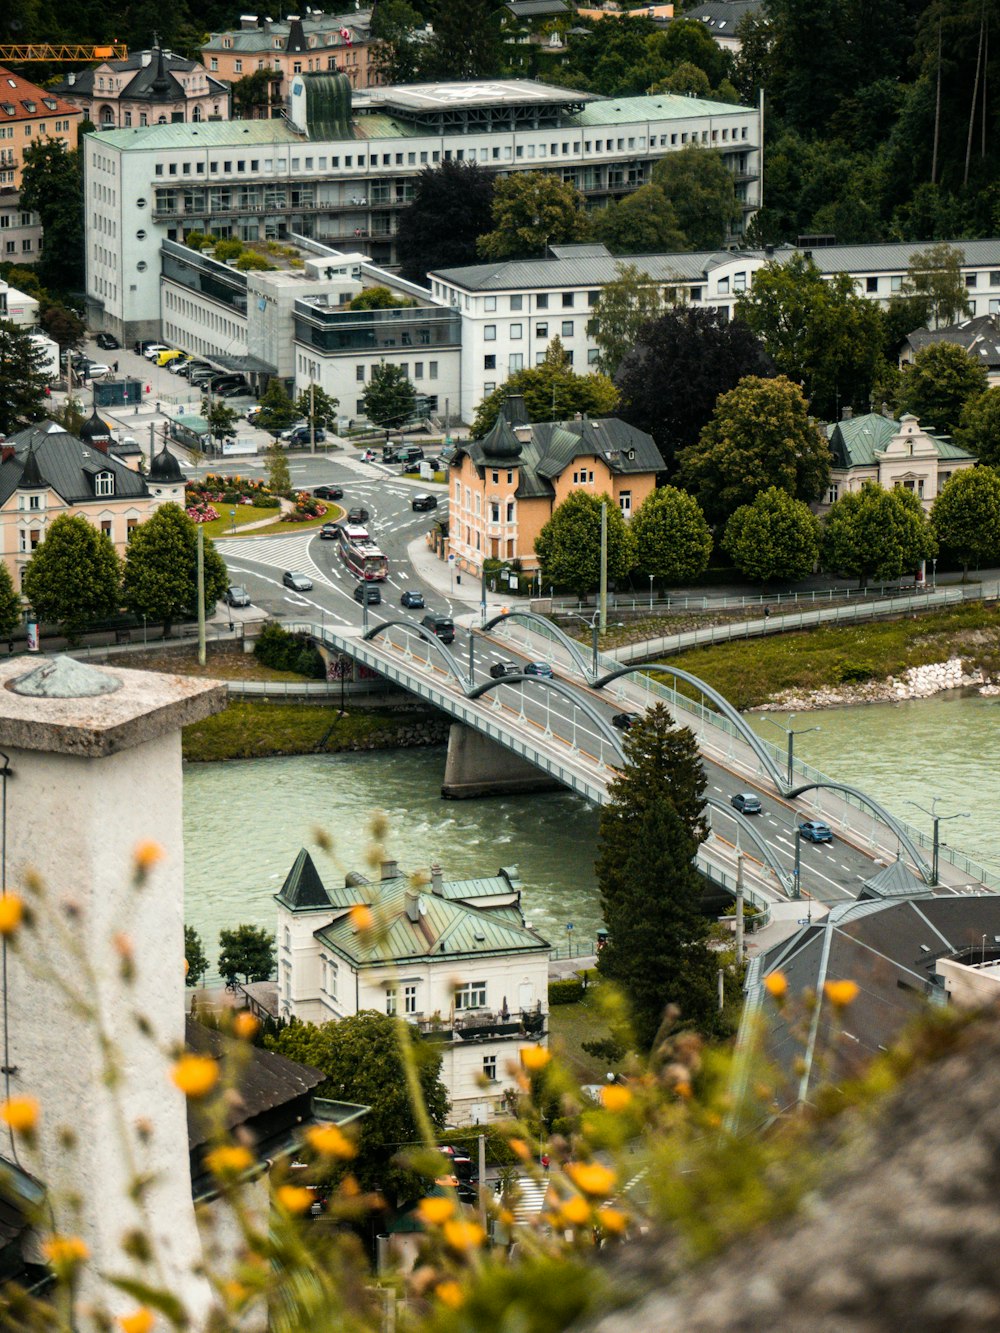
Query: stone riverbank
{"type": "Point", "coordinates": [916, 683]}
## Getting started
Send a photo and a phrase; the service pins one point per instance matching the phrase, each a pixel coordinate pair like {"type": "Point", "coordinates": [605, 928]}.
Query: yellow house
{"type": "Point", "coordinates": [45, 472]}
{"type": "Point", "coordinates": [505, 486]}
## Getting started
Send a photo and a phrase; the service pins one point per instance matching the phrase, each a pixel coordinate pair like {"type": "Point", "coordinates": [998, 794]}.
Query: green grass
{"type": "Point", "coordinates": [333, 515]}
{"type": "Point", "coordinates": [749, 672]}
{"type": "Point", "coordinates": [223, 525]}
{"type": "Point", "coordinates": [570, 1025]}
{"type": "Point", "coordinates": [255, 730]}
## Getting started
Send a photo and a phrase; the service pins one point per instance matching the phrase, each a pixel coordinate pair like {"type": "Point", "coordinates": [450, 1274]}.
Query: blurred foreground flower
{"type": "Point", "coordinates": [614, 1097]}
{"type": "Point", "coordinates": [535, 1057]}
{"type": "Point", "coordinates": [776, 985]}
{"type": "Point", "coordinates": [20, 1113]}
{"type": "Point", "coordinates": [449, 1293]}
{"type": "Point", "coordinates": [229, 1159]}
{"type": "Point", "coordinates": [592, 1177]}
{"type": "Point", "coordinates": [435, 1209]}
{"type": "Point", "coordinates": [64, 1253]}
{"type": "Point", "coordinates": [146, 855]}
{"type": "Point", "coordinates": [195, 1075]}
{"type": "Point", "coordinates": [140, 1321]}
{"type": "Point", "coordinates": [841, 993]}
{"type": "Point", "coordinates": [245, 1025]}
{"type": "Point", "coordinates": [330, 1141]}
{"type": "Point", "coordinates": [462, 1235]}
{"type": "Point", "coordinates": [11, 912]}
{"type": "Point", "coordinates": [294, 1198]}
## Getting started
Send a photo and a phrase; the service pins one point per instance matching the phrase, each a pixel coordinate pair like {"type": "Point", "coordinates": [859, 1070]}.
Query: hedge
{"type": "Point", "coordinates": [569, 991]}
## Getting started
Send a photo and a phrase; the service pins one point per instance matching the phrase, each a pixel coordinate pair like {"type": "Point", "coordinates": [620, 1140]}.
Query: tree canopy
{"type": "Point", "coordinates": [673, 541]}
{"type": "Point", "coordinates": [161, 568]}
{"type": "Point", "coordinates": [680, 363]}
{"type": "Point", "coordinates": [651, 827]}
{"type": "Point", "coordinates": [935, 274]}
{"type": "Point", "coordinates": [760, 435]}
{"type": "Point", "coordinates": [278, 412]}
{"type": "Point", "coordinates": [552, 391]}
{"type": "Point", "coordinates": [966, 515]}
{"type": "Point", "coordinates": [390, 399]}
{"type": "Point", "coordinates": [643, 223]}
{"type": "Point", "coordinates": [322, 405]}
{"type": "Point", "coordinates": [22, 379]}
{"type": "Point", "coordinates": [246, 951]}
{"type": "Point", "coordinates": [74, 577]}
{"type": "Point", "coordinates": [440, 228]}
{"type": "Point", "coordinates": [938, 384]}
{"type": "Point", "coordinates": [361, 1057]}
{"type": "Point", "coordinates": [622, 308]}
{"type": "Point", "coordinates": [531, 210]}
{"type": "Point", "coordinates": [569, 545]}
{"type": "Point", "coordinates": [774, 537]}
{"type": "Point", "coordinates": [979, 431]}
{"type": "Point", "coordinates": [52, 187]}
{"type": "Point", "coordinates": [876, 534]}
{"type": "Point", "coordinates": [699, 186]}
{"type": "Point", "coordinates": [194, 956]}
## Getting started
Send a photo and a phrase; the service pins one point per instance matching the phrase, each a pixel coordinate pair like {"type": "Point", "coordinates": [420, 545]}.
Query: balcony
{"type": "Point", "coordinates": [484, 1025]}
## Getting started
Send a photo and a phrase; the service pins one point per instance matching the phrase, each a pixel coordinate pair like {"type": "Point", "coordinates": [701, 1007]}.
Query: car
{"type": "Point", "coordinates": [388, 453]}
{"type": "Point", "coordinates": [813, 830]}
{"type": "Point", "coordinates": [358, 515]}
{"type": "Point", "coordinates": [500, 669]}
{"type": "Point", "coordinates": [368, 592]}
{"type": "Point", "coordinates": [222, 383]}
{"type": "Point", "coordinates": [164, 358]}
{"type": "Point", "coordinates": [296, 581]}
{"type": "Point", "coordinates": [107, 341]}
{"type": "Point", "coordinates": [746, 803]}
{"type": "Point", "coordinates": [237, 595]}
{"type": "Point", "coordinates": [95, 370]}
{"type": "Point", "coordinates": [302, 435]}
{"type": "Point", "coordinates": [537, 669]}
{"type": "Point", "coordinates": [412, 599]}
{"type": "Point", "coordinates": [328, 492]}
{"type": "Point", "coordinates": [177, 363]}
{"type": "Point", "coordinates": [189, 369]}
{"type": "Point", "coordinates": [252, 413]}
{"type": "Point", "coordinates": [141, 348]}
{"type": "Point", "coordinates": [233, 391]}
{"type": "Point", "coordinates": [152, 350]}
{"type": "Point", "coordinates": [329, 532]}
{"type": "Point", "coordinates": [423, 502]}
{"type": "Point", "coordinates": [625, 721]}
{"type": "Point", "coordinates": [442, 626]}
{"type": "Point", "coordinates": [410, 455]}
{"type": "Point", "coordinates": [458, 1159]}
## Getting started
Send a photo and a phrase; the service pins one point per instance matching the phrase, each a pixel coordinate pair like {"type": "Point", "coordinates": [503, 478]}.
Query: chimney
{"type": "Point", "coordinates": [413, 906]}
{"type": "Point", "coordinates": [146, 57]}
{"type": "Point", "coordinates": [6, 452]}
{"type": "Point", "coordinates": [846, 413]}
{"type": "Point", "coordinates": [248, 22]}
{"type": "Point", "coordinates": [437, 879]}
{"type": "Point", "coordinates": [100, 444]}
{"type": "Point", "coordinates": [390, 870]}
{"type": "Point", "coordinates": [886, 412]}
{"type": "Point", "coordinates": [71, 78]}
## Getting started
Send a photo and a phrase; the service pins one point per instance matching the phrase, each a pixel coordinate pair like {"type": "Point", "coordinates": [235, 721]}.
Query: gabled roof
{"type": "Point", "coordinates": [723, 17]}
{"type": "Point", "coordinates": [21, 100]}
{"type": "Point", "coordinates": [980, 337]}
{"type": "Point", "coordinates": [525, 9]}
{"type": "Point", "coordinates": [895, 881]}
{"type": "Point", "coordinates": [303, 889]}
{"type": "Point", "coordinates": [153, 78]}
{"type": "Point", "coordinates": [861, 441]}
{"type": "Point", "coordinates": [50, 456]}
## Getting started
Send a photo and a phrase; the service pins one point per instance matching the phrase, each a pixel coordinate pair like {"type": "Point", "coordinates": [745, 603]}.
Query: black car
{"type": "Point", "coordinates": [108, 341]}
{"type": "Point", "coordinates": [237, 595]}
{"type": "Point", "coordinates": [368, 592]}
{"type": "Point", "coordinates": [412, 599]}
{"type": "Point", "coordinates": [358, 516]}
{"type": "Point", "coordinates": [442, 626]}
{"type": "Point", "coordinates": [388, 453]}
{"type": "Point", "coordinates": [141, 348]}
{"type": "Point", "coordinates": [500, 669]}
{"type": "Point", "coordinates": [423, 502]}
{"type": "Point", "coordinates": [328, 492]}
{"type": "Point", "coordinates": [329, 532]}
{"type": "Point", "coordinates": [746, 803]}
{"type": "Point", "coordinates": [624, 721]}
{"type": "Point", "coordinates": [537, 669]}
{"type": "Point", "coordinates": [301, 435]}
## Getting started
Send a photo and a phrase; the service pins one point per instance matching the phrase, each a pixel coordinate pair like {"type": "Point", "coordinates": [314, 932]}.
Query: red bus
{"type": "Point", "coordinates": [360, 554]}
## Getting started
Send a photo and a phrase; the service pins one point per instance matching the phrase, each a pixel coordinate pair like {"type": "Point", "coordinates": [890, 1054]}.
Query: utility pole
{"type": "Point", "coordinates": [739, 909]}
{"type": "Point", "coordinates": [201, 596]}
{"type": "Point", "coordinates": [152, 443]}
{"type": "Point", "coordinates": [604, 567]}
{"type": "Point", "coordinates": [312, 417]}
{"type": "Point", "coordinates": [937, 112]}
{"type": "Point", "coordinates": [797, 886]}
{"type": "Point", "coordinates": [482, 1179]}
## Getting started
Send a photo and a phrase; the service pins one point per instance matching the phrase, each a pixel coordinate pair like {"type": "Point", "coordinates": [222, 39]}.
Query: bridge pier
{"type": "Point", "coordinates": [478, 766]}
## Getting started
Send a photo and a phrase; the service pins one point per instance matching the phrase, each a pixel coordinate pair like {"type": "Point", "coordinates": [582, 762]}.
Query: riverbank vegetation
{"type": "Point", "coordinates": [255, 730]}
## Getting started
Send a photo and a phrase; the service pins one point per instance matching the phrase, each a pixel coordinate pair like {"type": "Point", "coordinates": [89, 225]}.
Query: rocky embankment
{"type": "Point", "coordinates": [917, 683]}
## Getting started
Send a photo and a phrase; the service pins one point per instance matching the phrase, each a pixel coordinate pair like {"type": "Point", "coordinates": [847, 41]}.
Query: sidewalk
{"type": "Point", "coordinates": [438, 574]}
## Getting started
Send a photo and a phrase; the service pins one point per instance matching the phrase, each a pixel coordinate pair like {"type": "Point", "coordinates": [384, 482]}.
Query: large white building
{"type": "Point", "coordinates": [340, 168]}
{"type": "Point", "coordinates": [454, 958]}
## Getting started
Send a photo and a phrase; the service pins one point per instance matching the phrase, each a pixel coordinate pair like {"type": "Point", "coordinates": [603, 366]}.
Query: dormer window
{"type": "Point", "coordinates": [104, 483]}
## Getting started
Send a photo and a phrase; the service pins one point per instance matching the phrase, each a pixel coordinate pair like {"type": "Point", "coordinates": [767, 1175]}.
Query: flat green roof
{"type": "Point", "coordinates": [659, 106]}
{"type": "Point", "coordinates": [204, 134]}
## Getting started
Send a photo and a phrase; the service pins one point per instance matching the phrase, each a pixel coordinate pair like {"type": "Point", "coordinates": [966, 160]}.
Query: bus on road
{"type": "Point", "coordinates": [360, 554]}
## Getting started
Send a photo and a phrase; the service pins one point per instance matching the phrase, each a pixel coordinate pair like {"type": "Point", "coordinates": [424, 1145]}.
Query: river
{"type": "Point", "coordinates": [245, 821]}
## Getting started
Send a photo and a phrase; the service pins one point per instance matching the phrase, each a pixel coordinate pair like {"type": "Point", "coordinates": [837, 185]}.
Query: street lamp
{"type": "Point", "coordinates": [936, 818]}
{"type": "Point", "coordinates": [802, 731]}
{"type": "Point", "coordinates": [651, 577]}
{"type": "Point", "coordinates": [595, 631]}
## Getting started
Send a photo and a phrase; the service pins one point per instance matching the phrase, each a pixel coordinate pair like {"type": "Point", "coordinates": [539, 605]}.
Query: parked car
{"type": "Point", "coordinates": [746, 803]}
{"type": "Point", "coordinates": [458, 1159]}
{"type": "Point", "coordinates": [237, 595]}
{"type": "Point", "coordinates": [296, 581]}
{"type": "Point", "coordinates": [95, 370]}
{"type": "Point", "coordinates": [141, 348]}
{"type": "Point", "coordinates": [252, 413]}
{"type": "Point", "coordinates": [177, 363]}
{"type": "Point", "coordinates": [411, 598]}
{"type": "Point", "coordinates": [537, 669]}
{"type": "Point", "coordinates": [410, 455]}
{"type": "Point", "coordinates": [153, 350]}
{"type": "Point", "coordinates": [328, 492]}
{"type": "Point", "coordinates": [233, 391]}
{"type": "Point", "coordinates": [329, 532]}
{"type": "Point", "coordinates": [368, 592]}
{"type": "Point", "coordinates": [358, 515]}
{"type": "Point", "coordinates": [301, 435]}
{"type": "Point", "coordinates": [107, 341]}
{"type": "Point", "coordinates": [164, 358]}
{"type": "Point", "coordinates": [500, 669]}
{"type": "Point", "coordinates": [442, 626]}
{"type": "Point", "coordinates": [813, 830]}
{"type": "Point", "coordinates": [388, 453]}
{"type": "Point", "coordinates": [625, 721]}
{"type": "Point", "coordinates": [189, 368]}
{"type": "Point", "coordinates": [423, 502]}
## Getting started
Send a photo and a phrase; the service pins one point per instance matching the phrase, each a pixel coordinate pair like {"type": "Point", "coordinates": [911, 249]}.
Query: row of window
{"type": "Point", "coordinates": [516, 331]}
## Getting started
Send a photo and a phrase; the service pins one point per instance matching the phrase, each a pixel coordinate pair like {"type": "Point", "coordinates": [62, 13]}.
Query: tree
{"type": "Point", "coordinates": [980, 428]}
{"type": "Point", "coordinates": [451, 209]}
{"type": "Point", "coordinates": [700, 187]}
{"type": "Point", "coordinates": [74, 577]}
{"type": "Point", "coordinates": [466, 42]}
{"type": "Point", "coordinates": [673, 541]}
{"type": "Point", "coordinates": [219, 415]}
{"type": "Point", "coordinates": [395, 53]}
{"type": "Point", "coordinates": [277, 412]}
{"type": "Point", "coordinates": [22, 379]}
{"type": "Point", "coordinates": [875, 533]}
{"type": "Point", "coordinates": [63, 325]}
{"type": "Point", "coordinates": [246, 951]}
{"type": "Point", "coordinates": [390, 399]}
{"type": "Point", "coordinates": [252, 94]}
{"type": "Point", "coordinates": [819, 332]}
{"type": "Point", "coordinates": [552, 391]}
{"type": "Point", "coordinates": [760, 435]}
{"type": "Point", "coordinates": [10, 604]}
{"type": "Point", "coordinates": [52, 187]}
{"type": "Point", "coordinates": [378, 298]}
{"type": "Point", "coordinates": [530, 211]}
{"type": "Point", "coordinates": [643, 223]}
{"type": "Point", "coordinates": [937, 385]}
{"type": "Point", "coordinates": [685, 78]}
{"type": "Point", "coordinates": [319, 404]}
{"type": "Point", "coordinates": [569, 545]}
{"type": "Point", "coordinates": [622, 308]}
{"type": "Point", "coordinates": [195, 957]}
{"type": "Point", "coordinates": [279, 479]}
{"type": "Point", "coordinates": [651, 828]}
{"type": "Point", "coordinates": [936, 274]}
{"type": "Point", "coordinates": [966, 515]}
{"type": "Point", "coordinates": [681, 362]}
{"type": "Point", "coordinates": [775, 537]}
{"type": "Point", "coordinates": [362, 1058]}
{"type": "Point", "coordinates": [161, 568]}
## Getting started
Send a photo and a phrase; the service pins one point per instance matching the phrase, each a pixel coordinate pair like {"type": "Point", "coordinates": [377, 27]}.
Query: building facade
{"type": "Point", "coordinates": [341, 168]}
{"type": "Point", "coordinates": [29, 114]}
{"type": "Point", "coordinates": [153, 87]}
{"type": "Point", "coordinates": [454, 958]}
{"type": "Point", "coordinates": [316, 43]}
{"type": "Point", "coordinates": [893, 453]}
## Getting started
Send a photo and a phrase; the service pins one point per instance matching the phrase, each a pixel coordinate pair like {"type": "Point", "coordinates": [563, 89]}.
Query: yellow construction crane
{"type": "Point", "coordinates": [73, 51]}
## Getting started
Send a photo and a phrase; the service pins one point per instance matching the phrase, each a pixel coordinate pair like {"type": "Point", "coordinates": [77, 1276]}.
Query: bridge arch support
{"type": "Point", "coordinates": [562, 638]}
{"type": "Point", "coordinates": [432, 639]}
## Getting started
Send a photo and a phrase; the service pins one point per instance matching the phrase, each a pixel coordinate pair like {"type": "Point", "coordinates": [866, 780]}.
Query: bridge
{"type": "Point", "coordinates": [524, 730]}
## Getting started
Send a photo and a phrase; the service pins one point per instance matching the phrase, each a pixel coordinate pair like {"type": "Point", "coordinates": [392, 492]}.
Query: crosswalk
{"type": "Point", "coordinates": [276, 552]}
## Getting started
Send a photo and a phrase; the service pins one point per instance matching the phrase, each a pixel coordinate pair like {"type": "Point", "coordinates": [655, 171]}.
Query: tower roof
{"type": "Point", "coordinates": [501, 445]}
{"type": "Point", "coordinates": [303, 888]}
{"type": "Point", "coordinates": [165, 467]}
{"type": "Point", "coordinates": [31, 476]}
{"type": "Point", "coordinates": [94, 428]}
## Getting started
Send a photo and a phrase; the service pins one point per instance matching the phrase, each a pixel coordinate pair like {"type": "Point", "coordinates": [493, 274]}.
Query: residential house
{"type": "Point", "coordinates": [505, 487]}
{"type": "Point", "coordinates": [454, 958]}
{"type": "Point", "coordinates": [28, 114]}
{"type": "Point", "coordinates": [875, 447]}
{"type": "Point", "coordinates": [722, 18]}
{"type": "Point", "coordinates": [979, 336]}
{"type": "Point", "coordinates": [153, 87]}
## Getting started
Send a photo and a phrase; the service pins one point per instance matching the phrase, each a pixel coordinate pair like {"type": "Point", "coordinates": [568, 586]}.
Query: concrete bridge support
{"type": "Point", "coordinates": [478, 766]}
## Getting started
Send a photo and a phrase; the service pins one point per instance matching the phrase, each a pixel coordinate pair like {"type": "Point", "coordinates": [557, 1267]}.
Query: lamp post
{"type": "Point", "coordinates": [797, 879]}
{"type": "Point", "coordinates": [651, 591]}
{"type": "Point", "coordinates": [934, 572]}
{"type": "Point", "coordinates": [472, 664]}
{"type": "Point", "coordinates": [595, 630]}
{"type": "Point", "coordinates": [936, 820]}
{"type": "Point", "coordinates": [802, 731]}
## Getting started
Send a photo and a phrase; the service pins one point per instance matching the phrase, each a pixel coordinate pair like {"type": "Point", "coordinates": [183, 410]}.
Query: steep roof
{"type": "Point", "coordinates": [153, 77]}
{"type": "Point", "coordinates": [21, 100]}
{"type": "Point", "coordinates": [980, 337]}
{"type": "Point", "coordinates": [303, 889]}
{"type": "Point", "coordinates": [860, 441]}
{"type": "Point", "coordinates": [50, 456]}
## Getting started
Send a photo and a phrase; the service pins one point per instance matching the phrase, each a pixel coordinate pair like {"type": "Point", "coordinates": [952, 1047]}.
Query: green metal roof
{"type": "Point", "coordinates": [859, 441]}
{"type": "Point", "coordinates": [206, 134]}
{"type": "Point", "coordinates": [664, 106]}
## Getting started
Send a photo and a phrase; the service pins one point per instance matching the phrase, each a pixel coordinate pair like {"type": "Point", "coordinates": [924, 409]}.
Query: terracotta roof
{"type": "Point", "coordinates": [21, 100]}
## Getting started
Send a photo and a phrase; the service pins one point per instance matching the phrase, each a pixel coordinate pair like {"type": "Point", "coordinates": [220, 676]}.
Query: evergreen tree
{"type": "Point", "coordinates": [74, 578]}
{"type": "Point", "coordinates": [10, 604]}
{"type": "Point", "coordinates": [651, 828]}
{"type": "Point", "coordinates": [22, 379]}
{"type": "Point", "coordinates": [52, 187]}
{"type": "Point", "coordinates": [322, 404]}
{"type": "Point", "coordinates": [161, 568]}
{"type": "Point", "coordinates": [278, 412]}
{"type": "Point", "coordinates": [279, 479]}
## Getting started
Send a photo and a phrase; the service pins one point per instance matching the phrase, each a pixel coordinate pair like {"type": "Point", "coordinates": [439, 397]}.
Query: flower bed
{"type": "Point", "coordinates": [219, 489]}
{"type": "Point", "coordinates": [306, 507]}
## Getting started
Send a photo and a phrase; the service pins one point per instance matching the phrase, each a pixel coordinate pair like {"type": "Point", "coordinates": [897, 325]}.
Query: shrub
{"type": "Point", "coordinates": [855, 671]}
{"type": "Point", "coordinates": [569, 991]}
{"type": "Point", "coordinates": [309, 662]}
{"type": "Point", "coordinates": [263, 500]}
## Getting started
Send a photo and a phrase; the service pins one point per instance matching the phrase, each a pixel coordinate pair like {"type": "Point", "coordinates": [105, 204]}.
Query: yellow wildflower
{"type": "Point", "coordinates": [330, 1141]}
{"type": "Point", "coordinates": [195, 1075]}
{"type": "Point", "coordinates": [520, 1148]}
{"type": "Point", "coordinates": [20, 1113]}
{"type": "Point", "coordinates": [361, 917]}
{"type": "Point", "coordinates": [146, 855]}
{"type": "Point", "coordinates": [435, 1209]}
{"type": "Point", "coordinates": [245, 1025]}
{"type": "Point", "coordinates": [141, 1321]}
{"type": "Point", "coordinates": [11, 912]}
{"type": "Point", "coordinates": [614, 1097]}
{"type": "Point", "coordinates": [535, 1057]}
{"type": "Point", "coordinates": [841, 993]}
{"type": "Point", "coordinates": [592, 1177]}
{"type": "Point", "coordinates": [64, 1253]}
{"type": "Point", "coordinates": [294, 1198]}
{"type": "Point", "coordinates": [776, 985]}
{"type": "Point", "coordinates": [449, 1293]}
{"type": "Point", "coordinates": [612, 1220]}
{"type": "Point", "coordinates": [463, 1235]}
{"type": "Point", "coordinates": [574, 1211]}
{"type": "Point", "coordinates": [229, 1159]}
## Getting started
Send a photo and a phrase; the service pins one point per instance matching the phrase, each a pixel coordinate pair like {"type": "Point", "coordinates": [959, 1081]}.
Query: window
{"type": "Point", "coordinates": [105, 526]}
{"type": "Point", "coordinates": [471, 996]}
{"type": "Point", "coordinates": [516, 332]}
{"type": "Point", "coordinates": [593, 356]}
{"type": "Point", "coordinates": [831, 495]}
{"type": "Point", "coordinates": [238, 66]}
{"type": "Point", "coordinates": [490, 362]}
{"type": "Point", "coordinates": [739, 282]}
{"type": "Point", "coordinates": [567, 300]}
{"type": "Point", "coordinates": [130, 526]}
{"type": "Point", "coordinates": [410, 999]}
{"type": "Point", "coordinates": [896, 283]}
{"type": "Point", "coordinates": [418, 370]}
{"type": "Point", "coordinates": [495, 512]}
{"type": "Point", "coordinates": [516, 302]}
{"type": "Point", "coordinates": [542, 302]}
{"type": "Point", "coordinates": [515, 362]}
{"type": "Point", "coordinates": [489, 303]}
{"type": "Point", "coordinates": [567, 328]}
{"type": "Point", "coordinates": [723, 286]}
{"type": "Point", "coordinates": [432, 370]}
{"type": "Point", "coordinates": [390, 1000]}
{"type": "Point", "coordinates": [871, 284]}
{"type": "Point", "coordinates": [625, 501]}
{"type": "Point", "coordinates": [34, 502]}
{"type": "Point", "coordinates": [331, 978]}
{"type": "Point", "coordinates": [970, 279]}
{"type": "Point", "coordinates": [510, 511]}
{"type": "Point", "coordinates": [995, 279]}
{"type": "Point", "coordinates": [104, 483]}
{"type": "Point", "coordinates": [541, 330]}
{"type": "Point", "coordinates": [489, 333]}
{"type": "Point", "coordinates": [490, 1068]}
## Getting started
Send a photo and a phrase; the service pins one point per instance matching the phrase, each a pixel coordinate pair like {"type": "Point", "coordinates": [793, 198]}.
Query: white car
{"type": "Point", "coordinates": [96, 370]}
{"type": "Point", "coordinates": [152, 352]}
